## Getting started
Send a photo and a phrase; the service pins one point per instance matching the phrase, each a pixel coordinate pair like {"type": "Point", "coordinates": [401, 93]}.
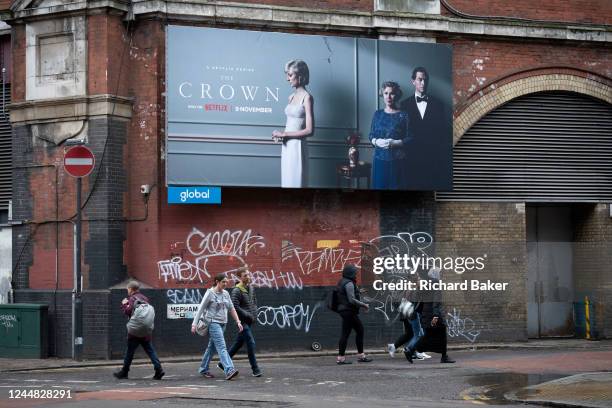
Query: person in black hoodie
{"type": "Point", "coordinates": [432, 320]}
{"type": "Point", "coordinates": [245, 303]}
{"type": "Point", "coordinates": [349, 304]}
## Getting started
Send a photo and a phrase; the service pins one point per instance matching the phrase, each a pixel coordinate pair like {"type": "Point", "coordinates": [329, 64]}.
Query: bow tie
{"type": "Point", "coordinates": [421, 99]}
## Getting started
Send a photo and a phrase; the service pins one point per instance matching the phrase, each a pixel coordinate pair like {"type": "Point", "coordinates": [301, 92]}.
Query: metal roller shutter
{"type": "Point", "coordinates": [543, 147]}
{"type": "Point", "coordinates": [5, 148]}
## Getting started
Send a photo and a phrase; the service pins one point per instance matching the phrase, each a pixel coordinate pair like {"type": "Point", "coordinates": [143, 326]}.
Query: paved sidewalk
{"type": "Point", "coordinates": [12, 365]}
{"type": "Point", "coordinates": [589, 390]}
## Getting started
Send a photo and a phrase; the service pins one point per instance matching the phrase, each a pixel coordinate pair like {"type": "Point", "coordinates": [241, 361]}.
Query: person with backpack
{"type": "Point", "coordinates": [213, 309]}
{"type": "Point", "coordinates": [349, 304]}
{"type": "Point", "coordinates": [140, 329]}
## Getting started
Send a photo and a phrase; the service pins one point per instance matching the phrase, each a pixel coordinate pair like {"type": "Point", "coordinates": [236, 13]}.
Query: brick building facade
{"type": "Point", "coordinates": [110, 94]}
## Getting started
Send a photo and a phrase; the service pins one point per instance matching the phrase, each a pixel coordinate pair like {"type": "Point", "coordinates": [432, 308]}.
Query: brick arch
{"type": "Point", "coordinates": [523, 86]}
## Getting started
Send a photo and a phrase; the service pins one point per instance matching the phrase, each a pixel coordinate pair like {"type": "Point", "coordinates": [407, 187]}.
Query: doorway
{"type": "Point", "coordinates": [550, 282]}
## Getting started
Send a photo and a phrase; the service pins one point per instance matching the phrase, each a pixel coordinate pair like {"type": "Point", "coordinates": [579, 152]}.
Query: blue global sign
{"type": "Point", "coordinates": [194, 195]}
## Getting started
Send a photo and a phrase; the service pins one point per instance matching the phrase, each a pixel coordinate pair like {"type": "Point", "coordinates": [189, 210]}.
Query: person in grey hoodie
{"type": "Point", "coordinates": [349, 303]}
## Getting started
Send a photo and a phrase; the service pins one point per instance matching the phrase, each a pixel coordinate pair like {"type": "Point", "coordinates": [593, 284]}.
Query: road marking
{"type": "Point", "coordinates": [35, 380]}
{"type": "Point", "coordinates": [152, 392]}
{"type": "Point", "coordinates": [468, 393]}
{"type": "Point", "coordinates": [195, 385]}
{"type": "Point", "coordinates": [81, 381]}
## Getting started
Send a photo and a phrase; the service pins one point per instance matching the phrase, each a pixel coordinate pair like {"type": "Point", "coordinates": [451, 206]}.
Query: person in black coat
{"type": "Point", "coordinates": [349, 303]}
{"type": "Point", "coordinates": [432, 321]}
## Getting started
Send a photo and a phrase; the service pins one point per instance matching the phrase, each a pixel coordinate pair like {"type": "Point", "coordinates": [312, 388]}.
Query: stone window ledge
{"type": "Point", "coordinates": [71, 108]}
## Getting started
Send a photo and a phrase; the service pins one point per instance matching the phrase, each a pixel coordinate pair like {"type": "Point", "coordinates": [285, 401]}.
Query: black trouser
{"type": "Point", "coordinates": [132, 345]}
{"type": "Point", "coordinates": [404, 337]}
{"type": "Point", "coordinates": [350, 321]}
{"type": "Point", "coordinates": [434, 340]}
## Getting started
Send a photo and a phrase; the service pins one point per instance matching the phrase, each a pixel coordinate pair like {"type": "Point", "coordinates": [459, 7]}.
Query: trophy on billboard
{"type": "Point", "coordinates": [352, 140]}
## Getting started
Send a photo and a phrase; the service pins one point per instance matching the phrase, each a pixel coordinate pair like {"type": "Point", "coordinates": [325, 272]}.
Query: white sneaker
{"type": "Point", "coordinates": [422, 356]}
{"type": "Point", "coordinates": [391, 349]}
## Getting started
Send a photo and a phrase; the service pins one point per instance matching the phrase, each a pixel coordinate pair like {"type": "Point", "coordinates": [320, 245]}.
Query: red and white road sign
{"type": "Point", "coordinates": [79, 161]}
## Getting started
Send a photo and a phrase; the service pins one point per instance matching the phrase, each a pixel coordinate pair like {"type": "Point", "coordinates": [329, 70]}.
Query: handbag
{"type": "Point", "coordinates": [202, 327]}
{"type": "Point", "coordinates": [406, 309]}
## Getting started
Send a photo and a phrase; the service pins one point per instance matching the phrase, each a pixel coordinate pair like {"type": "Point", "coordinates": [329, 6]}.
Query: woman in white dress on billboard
{"type": "Point", "coordinates": [299, 126]}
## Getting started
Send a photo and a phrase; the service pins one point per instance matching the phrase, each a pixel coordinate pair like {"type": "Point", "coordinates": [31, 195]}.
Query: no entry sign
{"type": "Point", "coordinates": [79, 161]}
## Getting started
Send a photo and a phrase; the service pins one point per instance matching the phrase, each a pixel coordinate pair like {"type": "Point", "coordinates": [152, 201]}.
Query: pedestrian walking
{"type": "Point", "coordinates": [140, 329]}
{"type": "Point", "coordinates": [432, 320]}
{"type": "Point", "coordinates": [245, 303]}
{"type": "Point", "coordinates": [411, 319]}
{"type": "Point", "coordinates": [349, 304]}
{"type": "Point", "coordinates": [213, 310]}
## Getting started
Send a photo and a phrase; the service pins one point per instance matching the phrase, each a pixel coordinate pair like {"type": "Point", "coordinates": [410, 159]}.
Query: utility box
{"type": "Point", "coordinates": [23, 330]}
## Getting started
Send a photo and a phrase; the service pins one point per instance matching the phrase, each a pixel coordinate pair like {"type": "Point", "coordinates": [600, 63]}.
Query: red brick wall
{"type": "Point", "coordinates": [145, 71]}
{"type": "Point", "coordinates": [579, 11]}
{"type": "Point", "coordinates": [107, 44]}
{"type": "Point", "coordinates": [19, 74]}
{"type": "Point", "coordinates": [478, 63]}
{"type": "Point", "coordinates": [163, 234]}
{"type": "Point", "coordinates": [43, 189]}
{"type": "Point", "coordinates": [281, 231]}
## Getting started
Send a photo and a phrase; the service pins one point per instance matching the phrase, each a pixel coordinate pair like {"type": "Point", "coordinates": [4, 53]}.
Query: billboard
{"type": "Point", "coordinates": [266, 109]}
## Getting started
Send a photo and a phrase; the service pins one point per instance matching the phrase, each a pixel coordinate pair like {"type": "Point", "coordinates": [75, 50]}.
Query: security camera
{"type": "Point", "coordinates": [145, 189]}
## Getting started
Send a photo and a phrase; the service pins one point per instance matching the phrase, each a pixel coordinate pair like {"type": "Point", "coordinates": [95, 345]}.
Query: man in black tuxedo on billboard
{"type": "Point", "coordinates": [429, 155]}
{"type": "Point", "coordinates": [423, 109]}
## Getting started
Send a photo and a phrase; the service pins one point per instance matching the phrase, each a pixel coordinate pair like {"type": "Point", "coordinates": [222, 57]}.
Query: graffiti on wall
{"type": "Point", "coordinates": [8, 320]}
{"type": "Point", "coordinates": [204, 254]}
{"type": "Point", "coordinates": [203, 249]}
{"type": "Point", "coordinates": [298, 316]}
{"type": "Point", "coordinates": [461, 327]}
{"type": "Point", "coordinates": [385, 302]}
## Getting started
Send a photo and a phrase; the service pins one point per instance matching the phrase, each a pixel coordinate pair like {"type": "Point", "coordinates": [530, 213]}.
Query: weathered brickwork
{"type": "Point", "coordinates": [582, 11]}
{"type": "Point", "coordinates": [497, 96]}
{"type": "Point", "coordinates": [351, 5]}
{"type": "Point", "coordinates": [592, 260]}
{"type": "Point", "coordinates": [296, 242]}
{"type": "Point", "coordinates": [22, 207]}
{"type": "Point", "coordinates": [496, 232]}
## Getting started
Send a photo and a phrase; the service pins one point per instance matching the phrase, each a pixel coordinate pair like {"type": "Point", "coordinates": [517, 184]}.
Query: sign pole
{"type": "Point", "coordinates": [79, 162]}
{"type": "Point", "coordinates": [78, 288]}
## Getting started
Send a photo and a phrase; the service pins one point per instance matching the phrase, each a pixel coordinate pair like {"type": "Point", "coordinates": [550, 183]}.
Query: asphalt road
{"type": "Point", "coordinates": [478, 377]}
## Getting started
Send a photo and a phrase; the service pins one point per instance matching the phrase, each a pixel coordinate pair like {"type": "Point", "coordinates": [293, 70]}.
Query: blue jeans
{"type": "Point", "coordinates": [245, 336]}
{"type": "Point", "coordinates": [133, 343]}
{"type": "Point", "coordinates": [216, 343]}
{"type": "Point", "coordinates": [417, 332]}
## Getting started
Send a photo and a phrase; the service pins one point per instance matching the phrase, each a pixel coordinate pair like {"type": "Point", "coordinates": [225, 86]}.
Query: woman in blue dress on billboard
{"type": "Point", "coordinates": [299, 126]}
{"type": "Point", "coordinates": [390, 135]}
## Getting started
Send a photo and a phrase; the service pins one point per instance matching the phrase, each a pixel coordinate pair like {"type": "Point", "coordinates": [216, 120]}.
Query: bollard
{"type": "Point", "coordinates": [587, 318]}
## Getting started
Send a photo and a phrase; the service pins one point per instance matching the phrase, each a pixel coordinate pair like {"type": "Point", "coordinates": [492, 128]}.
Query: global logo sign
{"type": "Point", "coordinates": [194, 195]}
